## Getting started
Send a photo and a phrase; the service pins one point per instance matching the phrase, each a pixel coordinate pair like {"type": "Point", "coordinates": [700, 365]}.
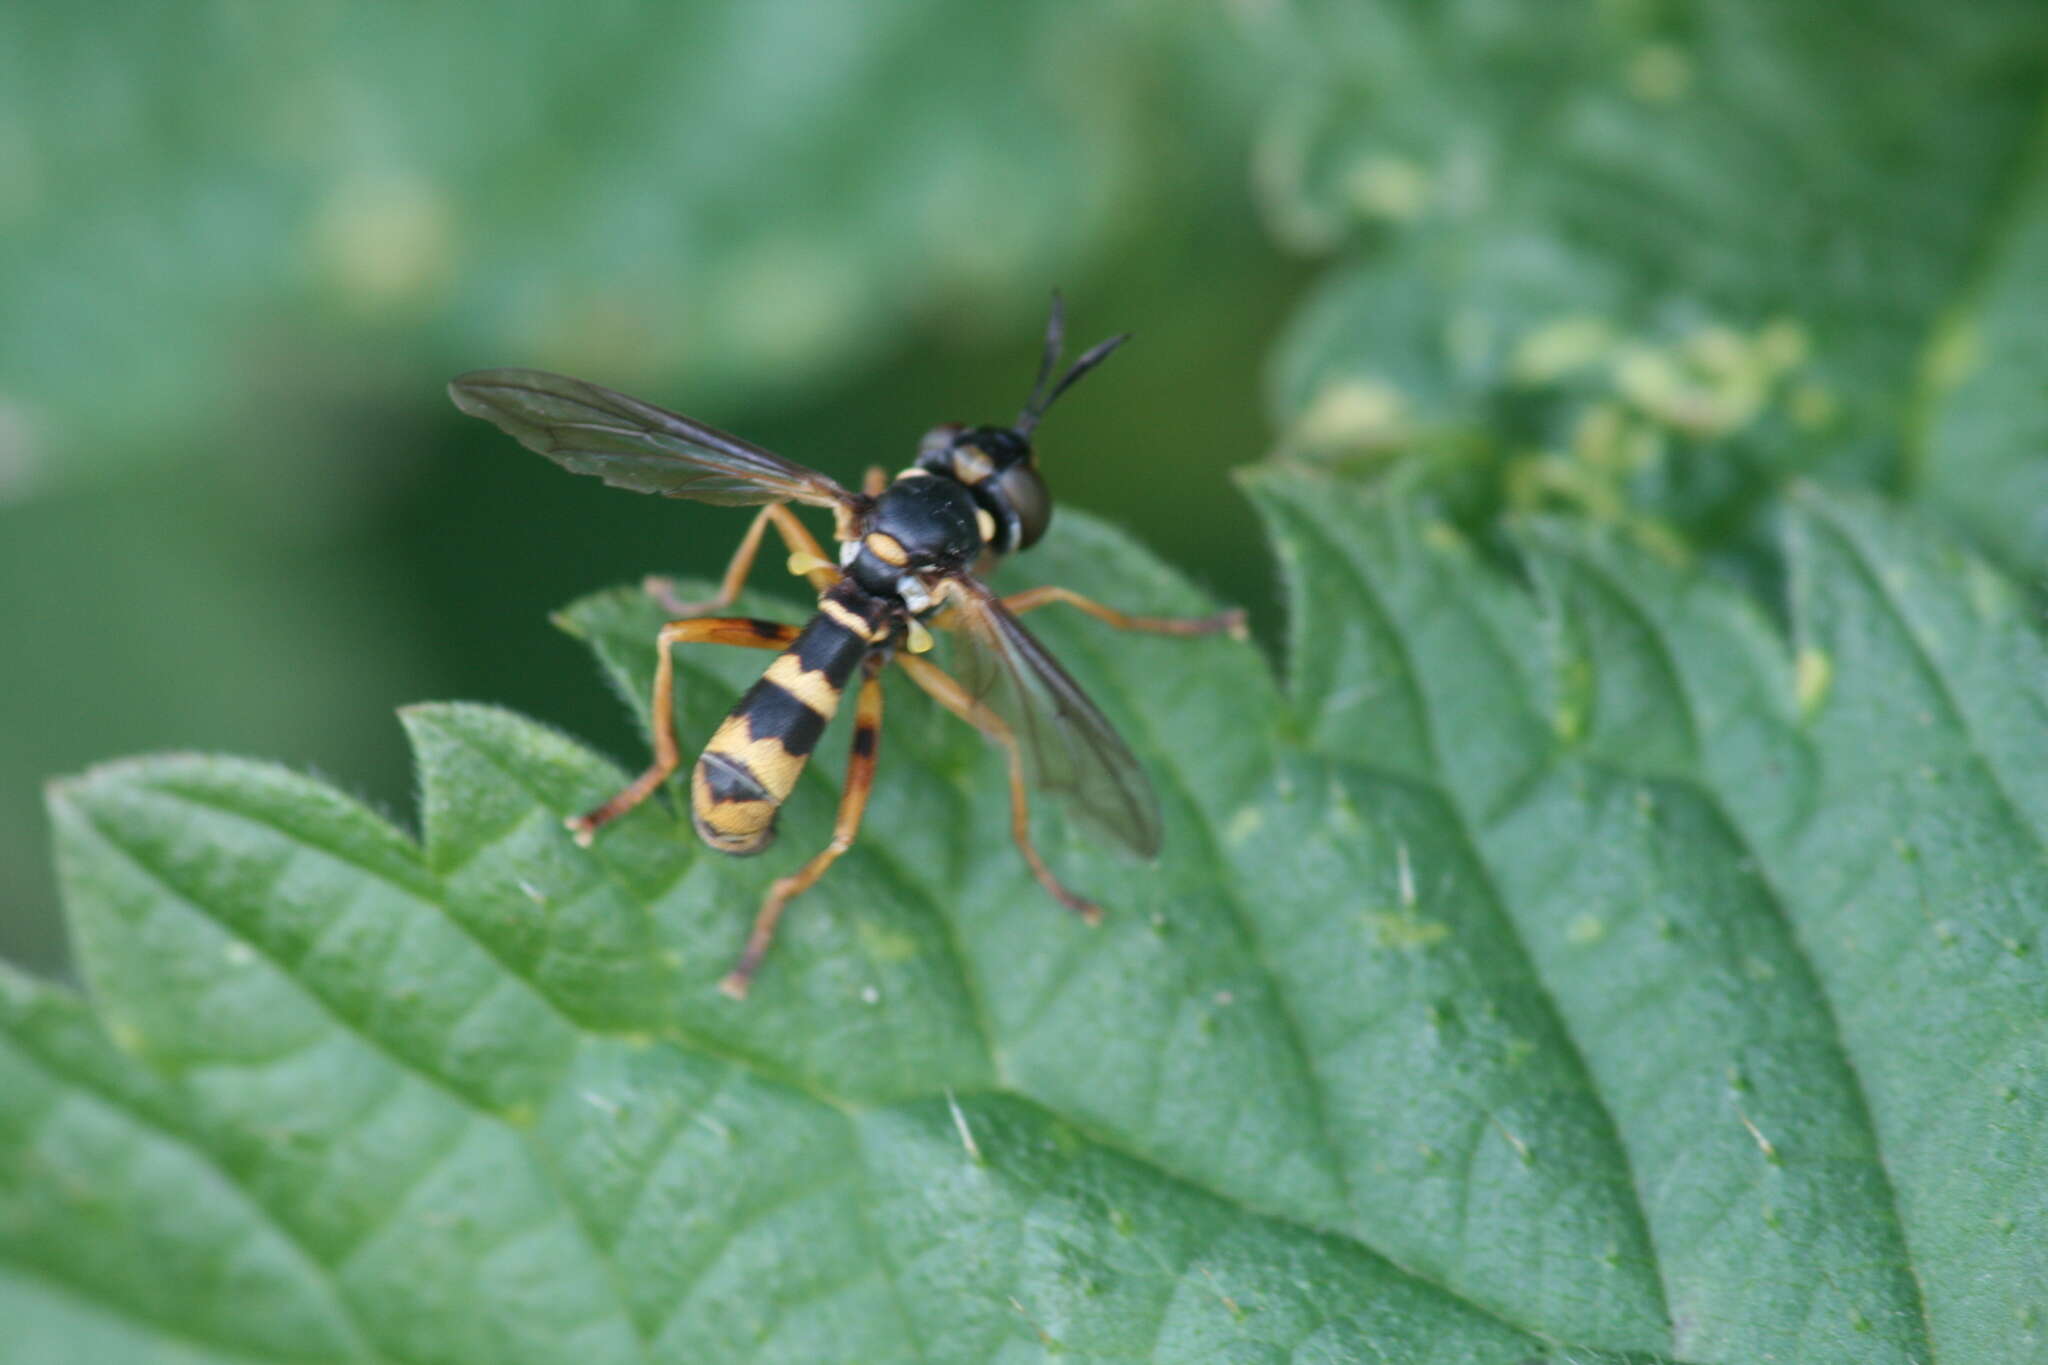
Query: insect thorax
{"type": "Point", "coordinates": [918, 524]}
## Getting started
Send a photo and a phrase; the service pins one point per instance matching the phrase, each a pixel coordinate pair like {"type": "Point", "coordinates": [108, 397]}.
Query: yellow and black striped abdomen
{"type": "Point", "coordinates": [754, 759]}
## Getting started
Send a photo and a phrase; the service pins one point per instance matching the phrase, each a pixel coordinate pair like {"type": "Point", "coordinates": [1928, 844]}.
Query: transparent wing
{"type": "Point", "coordinates": [1069, 747]}
{"type": "Point", "coordinates": [635, 445]}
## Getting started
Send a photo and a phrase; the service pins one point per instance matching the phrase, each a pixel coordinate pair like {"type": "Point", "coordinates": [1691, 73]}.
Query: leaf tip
{"type": "Point", "coordinates": [57, 791]}
{"type": "Point", "coordinates": [71, 791]}
{"type": "Point", "coordinates": [1253, 478]}
{"type": "Point", "coordinates": [419, 716]}
{"type": "Point", "coordinates": [422, 718]}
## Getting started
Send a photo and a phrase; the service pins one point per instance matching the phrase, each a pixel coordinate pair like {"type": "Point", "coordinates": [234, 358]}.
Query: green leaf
{"type": "Point", "coordinates": [1580, 968]}
{"type": "Point", "coordinates": [1785, 896]}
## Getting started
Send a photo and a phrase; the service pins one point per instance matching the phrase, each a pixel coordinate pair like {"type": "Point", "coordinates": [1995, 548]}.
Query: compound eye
{"type": "Point", "coordinates": [1028, 498]}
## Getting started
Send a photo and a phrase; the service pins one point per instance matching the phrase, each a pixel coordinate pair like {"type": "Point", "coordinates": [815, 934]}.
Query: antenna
{"type": "Point", "coordinates": [1055, 342]}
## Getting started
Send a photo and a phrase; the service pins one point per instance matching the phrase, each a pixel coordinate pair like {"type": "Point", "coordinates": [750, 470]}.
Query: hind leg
{"type": "Point", "coordinates": [853, 804]}
{"type": "Point", "coordinates": [717, 630]}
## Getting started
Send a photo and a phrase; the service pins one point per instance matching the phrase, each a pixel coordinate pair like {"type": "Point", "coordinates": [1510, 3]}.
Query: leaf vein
{"type": "Point", "coordinates": [1468, 837]}
{"type": "Point", "coordinates": [1789, 929]}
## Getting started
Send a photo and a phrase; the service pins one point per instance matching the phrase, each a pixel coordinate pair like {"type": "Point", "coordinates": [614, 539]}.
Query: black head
{"type": "Point", "coordinates": [998, 463]}
{"type": "Point", "coordinates": [998, 466]}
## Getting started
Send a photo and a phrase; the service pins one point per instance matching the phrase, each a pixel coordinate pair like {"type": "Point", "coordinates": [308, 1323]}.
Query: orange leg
{"type": "Point", "coordinates": [717, 630]}
{"type": "Point", "coordinates": [794, 534]}
{"type": "Point", "coordinates": [1031, 599]}
{"type": "Point", "coordinates": [876, 482]}
{"type": "Point", "coordinates": [955, 698]}
{"type": "Point", "coordinates": [853, 803]}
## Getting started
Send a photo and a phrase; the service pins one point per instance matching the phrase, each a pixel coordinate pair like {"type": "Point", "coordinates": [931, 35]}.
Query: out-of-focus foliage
{"type": "Point", "coordinates": [1980, 447]}
{"type": "Point", "coordinates": [1646, 260]}
{"type": "Point", "coordinates": [325, 200]}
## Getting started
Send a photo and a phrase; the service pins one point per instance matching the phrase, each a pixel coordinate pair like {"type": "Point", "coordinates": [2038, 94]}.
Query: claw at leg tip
{"type": "Point", "coordinates": [733, 986]}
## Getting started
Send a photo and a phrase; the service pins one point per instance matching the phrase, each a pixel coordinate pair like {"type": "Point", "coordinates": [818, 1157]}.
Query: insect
{"type": "Point", "coordinates": [910, 550]}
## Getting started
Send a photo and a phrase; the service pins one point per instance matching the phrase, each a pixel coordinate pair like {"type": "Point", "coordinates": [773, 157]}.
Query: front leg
{"type": "Point", "coordinates": [1230, 622]}
{"type": "Point", "coordinates": [806, 557]}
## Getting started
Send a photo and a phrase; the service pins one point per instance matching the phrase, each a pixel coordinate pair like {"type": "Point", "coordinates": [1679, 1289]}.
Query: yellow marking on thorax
{"type": "Point", "coordinates": [887, 548]}
{"type": "Point", "coordinates": [803, 563]}
{"type": "Point", "coordinates": [808, 686]}
{"type": "Point", "coordinates": [849, 620]}
{"type": "Point", "coordinates": [986, 523]}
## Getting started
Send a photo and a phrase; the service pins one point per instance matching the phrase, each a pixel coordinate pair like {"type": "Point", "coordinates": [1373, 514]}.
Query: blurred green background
{"type": "Point", "coordinates": [243, 246]}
